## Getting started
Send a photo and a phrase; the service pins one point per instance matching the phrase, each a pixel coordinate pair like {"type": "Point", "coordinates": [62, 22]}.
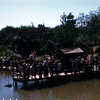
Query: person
{"type": "Point", "coordinates": [24, 70]}
{"type": "Point", "coordinates": [84, 64]}
{"type": "Point", "coordinates": [70, 60]}
{"type": "Point", "coordinates": [24, 66]}
{"type": "Point", "coordinates": [76, 64]}
{"type": "Point", "coordinates": [33, 55]}
{"type": "Point", "coordinates": [40, 69]}
{"type": "Point", "coordinates": [59, 65]}
{"type": "Point", "coordinates": [30, 58]}
{"type": "Point", "coordinates": [80, 67]}
{"type": "Point", "coordinates": [19, 68]}
{"type": "Point", "coordinates": [34, 66]}
{"type": "Point", "coordinates": [91, 62]}
{"type": "Point", "coordinates": [73, 65]}
{"type": "Point", "coordinates": [45, 64]}
{"type": "Point", "coordinates": [16, 64]}
{"type": "Point", "coordinates": [8, 61]}
{"type": "Point", "coordinates": [96, 62]}
{"type": "Point", "coordinates": [1, 63]}
{"type": "Point", "coordinates": [50, 65]}
{"type": "Point", "coordinates": [55, 67]}
{"type": "Point", "coordinates": [28, 68]}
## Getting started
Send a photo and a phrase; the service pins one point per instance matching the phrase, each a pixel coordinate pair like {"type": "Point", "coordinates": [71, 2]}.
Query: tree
{"type": "Point", "coordinates": [68, 30]}
{"type": "Point", "coordinates": [63, 19]}
{"type": "Point", "coordinates": [48, 48]}
{"type": "Point", "coordinates": [3, 37]}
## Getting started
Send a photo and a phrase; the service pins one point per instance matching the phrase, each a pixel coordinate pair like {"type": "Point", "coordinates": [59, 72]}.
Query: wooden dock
{"type": "Point", "coordinates": [65, 75]}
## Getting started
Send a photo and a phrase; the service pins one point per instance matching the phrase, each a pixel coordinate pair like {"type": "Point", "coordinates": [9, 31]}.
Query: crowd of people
{"type": "Point", "coordinates": [39, 67]}
{"type": "Point", "coordinates": [30, 66]}
{"type": "Point", "coordinates": [82, 63]}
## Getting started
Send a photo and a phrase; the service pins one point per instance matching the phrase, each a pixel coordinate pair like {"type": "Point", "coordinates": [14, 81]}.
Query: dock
{"type": "Point", "coordinates": [65, 75]}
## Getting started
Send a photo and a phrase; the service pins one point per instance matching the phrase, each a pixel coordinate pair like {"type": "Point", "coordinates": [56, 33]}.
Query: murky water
{"type": "Point", "coordinates": [83, 90]}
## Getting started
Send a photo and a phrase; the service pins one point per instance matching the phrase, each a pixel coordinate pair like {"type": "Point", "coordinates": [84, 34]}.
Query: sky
{"type": "Point", "coordinates": [18, 13]}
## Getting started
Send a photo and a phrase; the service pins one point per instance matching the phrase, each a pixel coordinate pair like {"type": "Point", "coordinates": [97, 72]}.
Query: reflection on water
{"type": "Point", "coordinates": [83, 90]}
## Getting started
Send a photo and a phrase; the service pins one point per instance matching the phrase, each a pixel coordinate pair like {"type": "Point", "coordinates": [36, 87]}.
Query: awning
{"type": "Point", "coordinates": [71, 50]}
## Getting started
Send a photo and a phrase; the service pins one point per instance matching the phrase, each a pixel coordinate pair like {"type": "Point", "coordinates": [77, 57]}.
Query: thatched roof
{"type": "Point", "coordinates": [71, 50]}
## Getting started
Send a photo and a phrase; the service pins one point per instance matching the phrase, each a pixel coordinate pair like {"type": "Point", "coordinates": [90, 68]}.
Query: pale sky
{"type": "Point", "coordinates": [22, 12]}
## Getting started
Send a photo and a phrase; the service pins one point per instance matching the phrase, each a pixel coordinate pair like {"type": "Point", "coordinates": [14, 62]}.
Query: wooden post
{"type": "Point", "coordinates": [35, 80]}
{"type": "Point", "coordinates": [24, 78]}
{"type": "Point", "coordinates": [24, 83]}
{"type": "Point", "coordinates": [16, 84]}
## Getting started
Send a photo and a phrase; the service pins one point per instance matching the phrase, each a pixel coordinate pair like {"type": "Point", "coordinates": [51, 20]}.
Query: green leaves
{"type": "Point", "coordinates": [80, 32]}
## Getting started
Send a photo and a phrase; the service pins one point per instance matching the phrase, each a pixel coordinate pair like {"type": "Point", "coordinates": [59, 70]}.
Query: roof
{"type": "Point", "coordinates": [71, 50]}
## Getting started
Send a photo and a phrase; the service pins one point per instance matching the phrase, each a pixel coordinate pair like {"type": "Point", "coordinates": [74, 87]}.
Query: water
{"type": "Point", "coordinates": [83, 90]}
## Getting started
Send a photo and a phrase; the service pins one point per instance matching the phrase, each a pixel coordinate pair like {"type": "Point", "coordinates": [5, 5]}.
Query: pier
{"type": "Point", "coordinates": [65, 75]}
{"type": "Point", "coordinates": [18, 71]}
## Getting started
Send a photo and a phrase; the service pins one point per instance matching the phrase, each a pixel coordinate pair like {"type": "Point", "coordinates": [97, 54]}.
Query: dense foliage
{"type": "Point", "coordinates": [83, 32]}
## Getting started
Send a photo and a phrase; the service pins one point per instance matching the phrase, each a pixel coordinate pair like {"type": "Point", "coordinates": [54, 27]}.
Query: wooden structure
{"type": "Point", "coordinates": [66, 53]}
{"type": "Point", "coordinates": [64, 75]}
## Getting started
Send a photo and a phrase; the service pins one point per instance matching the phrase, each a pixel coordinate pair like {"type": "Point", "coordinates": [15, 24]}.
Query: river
{"type": "Point", "coordinates": [80, 90]}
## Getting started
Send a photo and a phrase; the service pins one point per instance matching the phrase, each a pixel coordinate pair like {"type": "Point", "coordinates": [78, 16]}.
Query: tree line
{"type": "Point", "coordinates": [83, 32]}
